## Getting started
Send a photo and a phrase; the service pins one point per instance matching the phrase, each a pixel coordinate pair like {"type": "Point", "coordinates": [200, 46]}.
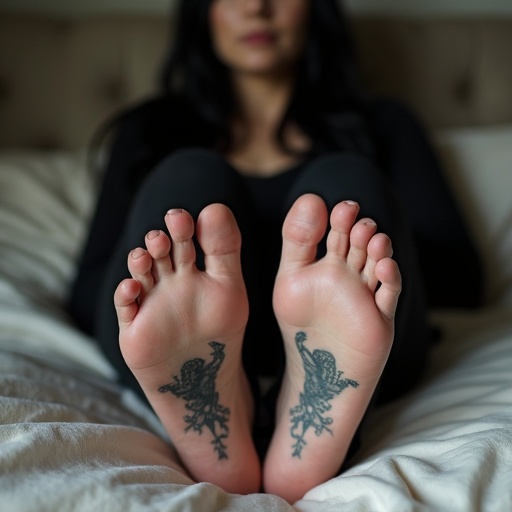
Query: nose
{"type": "Point", "coordinates": [261, 7]}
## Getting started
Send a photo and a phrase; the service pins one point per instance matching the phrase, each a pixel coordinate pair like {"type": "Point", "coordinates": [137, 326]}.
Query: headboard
{"type": "Point", "coordinates": [59, 78]}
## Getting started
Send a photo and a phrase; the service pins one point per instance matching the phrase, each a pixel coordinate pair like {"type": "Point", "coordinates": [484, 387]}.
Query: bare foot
{"type": "Point", "coordinates": [338, 328]}
{"type": "Point", "coordinates": [181, 333]}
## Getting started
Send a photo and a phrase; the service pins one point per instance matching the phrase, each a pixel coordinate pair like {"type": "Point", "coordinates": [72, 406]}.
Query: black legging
{"type": "Point", "coordinates": [194, 178]}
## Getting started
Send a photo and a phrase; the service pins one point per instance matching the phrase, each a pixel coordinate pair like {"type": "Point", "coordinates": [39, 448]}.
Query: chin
{"type": "Point", "coordinates": [262, 68]}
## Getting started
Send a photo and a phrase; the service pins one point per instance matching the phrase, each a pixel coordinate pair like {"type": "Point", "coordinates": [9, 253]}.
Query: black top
{"type": "Point", "coordinates": [449, 262]}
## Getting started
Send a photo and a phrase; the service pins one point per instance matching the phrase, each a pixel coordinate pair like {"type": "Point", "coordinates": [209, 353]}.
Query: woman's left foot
{"type": "Point", "coordinates": [338, 328]}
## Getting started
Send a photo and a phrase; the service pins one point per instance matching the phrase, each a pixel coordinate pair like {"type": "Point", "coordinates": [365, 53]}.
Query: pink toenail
{"type": "Point", "coordinates": [136, 253]}
{"type": "Point", "coordinates": [175, 211]}
{"type": "Point", "coordinates": [153, 234]}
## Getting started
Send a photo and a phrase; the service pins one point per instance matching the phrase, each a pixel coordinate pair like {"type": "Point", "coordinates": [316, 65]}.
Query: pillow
{"type": "Point", "coordinates": [46, 199]}
{"type": "Point", "coordinates": [478, 163]}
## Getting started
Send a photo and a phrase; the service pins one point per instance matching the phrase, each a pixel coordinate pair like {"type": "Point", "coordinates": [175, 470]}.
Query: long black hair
{"type": "Point", "coordinates": [328, 102]}
{"type": "Point", "coordinates": [195, 102]}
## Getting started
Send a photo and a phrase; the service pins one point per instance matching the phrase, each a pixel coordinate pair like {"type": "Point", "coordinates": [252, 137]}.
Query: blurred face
{"type": "Point", "coordinates": [263, 37]}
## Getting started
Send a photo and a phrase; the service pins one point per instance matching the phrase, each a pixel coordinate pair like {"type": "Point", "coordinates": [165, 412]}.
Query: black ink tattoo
{"type": "Point", "coordinates": [323, 381]}
{"type": "Point", "coordinates": [196, 385]}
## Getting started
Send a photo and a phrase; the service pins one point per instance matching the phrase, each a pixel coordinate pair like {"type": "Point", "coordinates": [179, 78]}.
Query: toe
{"type": "Point", "coordinates": [181, 228]}
{"type": "Point", "coordinates": [220, 239]}
{"type": "Point", "coordinates": [125, 301]}
{"type": "Point", "coordinates": [139, 265]}
{"type": "Point", "coordinates": [303, 229]}
{"type": "Point", "coordinates": [386, 297]}
{"type": "Point", "coordinates": [158, 246]}
{"type": "Point", "coordinates": [343, 216]}
{"type": "Point", "coordinates": [360, 236]}
{"type": "Point", "coordinates": [379, 248]}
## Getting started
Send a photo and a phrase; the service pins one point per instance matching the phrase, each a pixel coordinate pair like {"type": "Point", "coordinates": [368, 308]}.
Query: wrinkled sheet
{"type": "Point", "coordinates": [70, 441]}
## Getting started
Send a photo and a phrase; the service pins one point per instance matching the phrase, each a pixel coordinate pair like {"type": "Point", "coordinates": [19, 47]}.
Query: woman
{"type": "Point", "coordinates": [262, 128]}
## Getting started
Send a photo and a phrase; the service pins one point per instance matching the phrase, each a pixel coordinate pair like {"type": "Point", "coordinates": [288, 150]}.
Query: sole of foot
{"type": "Point", "coordinates": [181, 333]}
{"type": "Point", "coordinates": [336, 316]}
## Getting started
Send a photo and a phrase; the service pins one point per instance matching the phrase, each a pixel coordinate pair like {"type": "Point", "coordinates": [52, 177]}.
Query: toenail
{"type": "Point", "coordinates": [370, 222]}
{"type": "Point", "coordinates": [136, 253]}
{"type": "Point", "coordinates": [175, 211]}
{"type": "Point", "coordinates": [352, 203]}
{"type": "Point", "coordinates": [153, 234]}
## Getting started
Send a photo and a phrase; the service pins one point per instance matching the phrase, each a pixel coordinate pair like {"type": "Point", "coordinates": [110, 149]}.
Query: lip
{"type": "Point", "coordinates": [259, 37]}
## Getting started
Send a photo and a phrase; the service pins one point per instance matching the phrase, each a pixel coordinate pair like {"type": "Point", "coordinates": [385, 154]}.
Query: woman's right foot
{"type": "Point", "coordinates": [337, 327]}
{"type": "Point", "coordinates": [181, 333]}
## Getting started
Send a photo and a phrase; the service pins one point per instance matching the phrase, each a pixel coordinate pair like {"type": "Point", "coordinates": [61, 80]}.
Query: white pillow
{"type": "Point", "coordinates": [478, 162]}
{"type": "Point", "coordinates": [45, 203]}
{"type": "Point", "coordinates": [46, 199]}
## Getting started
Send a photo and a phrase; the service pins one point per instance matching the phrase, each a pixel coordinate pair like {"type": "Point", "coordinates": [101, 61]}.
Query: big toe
{"type": "Point", "coordinates": [220, 239]}
{"type": "Point", "coordinates": [303, 228]}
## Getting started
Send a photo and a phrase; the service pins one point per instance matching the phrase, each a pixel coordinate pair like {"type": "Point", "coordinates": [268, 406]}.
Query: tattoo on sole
{"type": "Point", "coordinates": [196, 385]}
{"type": "Point", "coordinates": [322, 383]}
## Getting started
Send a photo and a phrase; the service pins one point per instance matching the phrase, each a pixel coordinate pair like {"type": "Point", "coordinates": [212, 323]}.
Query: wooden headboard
{"type": "Point", "coordinates": [59, 78]}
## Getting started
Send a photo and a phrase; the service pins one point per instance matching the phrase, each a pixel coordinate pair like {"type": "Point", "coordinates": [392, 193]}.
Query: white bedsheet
{"type": "Point", "coordinates": [71, 440]}
{"type": "Point", "coordinates": [448, 445]}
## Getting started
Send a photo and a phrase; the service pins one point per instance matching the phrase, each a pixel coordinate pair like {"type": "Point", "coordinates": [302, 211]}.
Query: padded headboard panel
{"type": "Point", "coordinates": [59, 78]}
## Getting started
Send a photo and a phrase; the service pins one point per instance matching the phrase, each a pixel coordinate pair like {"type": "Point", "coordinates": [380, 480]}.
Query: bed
{"type": "Point", "coordinates": [71, 439]}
